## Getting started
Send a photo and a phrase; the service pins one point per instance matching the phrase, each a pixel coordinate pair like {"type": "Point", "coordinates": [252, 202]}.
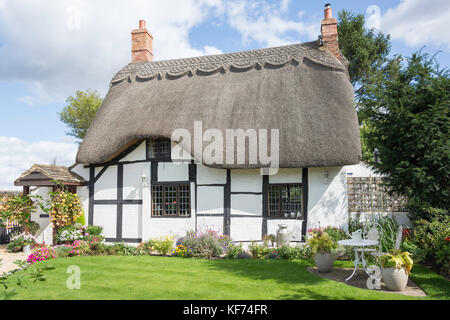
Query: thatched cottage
{"type": "Point", "coordinates": [137, 191]}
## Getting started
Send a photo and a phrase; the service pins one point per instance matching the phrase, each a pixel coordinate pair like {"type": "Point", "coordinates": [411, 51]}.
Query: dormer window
{"type": "Point", "coordinates": [159, 148]}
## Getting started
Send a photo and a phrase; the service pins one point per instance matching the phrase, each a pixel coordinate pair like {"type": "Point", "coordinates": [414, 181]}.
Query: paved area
{"type": "Point", "coordinates": [7, 259]}
{"type": "Point", "coordinates": [360, 281]}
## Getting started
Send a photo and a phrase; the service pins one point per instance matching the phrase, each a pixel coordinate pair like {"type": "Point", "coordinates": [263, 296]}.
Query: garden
{"type": "Point", "coordinates": [208, 265]}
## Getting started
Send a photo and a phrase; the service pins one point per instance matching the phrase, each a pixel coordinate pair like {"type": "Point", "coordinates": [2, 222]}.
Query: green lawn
{"type": "Point", "coordinates": [119, 277]}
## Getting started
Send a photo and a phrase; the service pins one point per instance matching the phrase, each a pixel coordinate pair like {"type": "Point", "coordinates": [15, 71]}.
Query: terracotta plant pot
{"type": "Point", "coordinates": [395, 279]}
{"type": "Point", "coordinates": [324, 261]}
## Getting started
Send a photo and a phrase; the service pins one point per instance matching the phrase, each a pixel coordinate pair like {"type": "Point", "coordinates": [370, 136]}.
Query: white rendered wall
{"type": "Point", "coordinates": [81, 171]}
{"type": "Point", "coordinates": [132, 180]}
{"type": "Point", "coordinates": [360, 170]}
{"type": "Point", "coordinates": [288, 175]}
{"type": "Point", "coordinates": [210, 200]}
{"type": "Point", "coordinates": [106, 216]}
{"type": "Point", "coordinates": [246, 204]}
{"type": "Point", "coordinates": [246, 229]}
{"type": "Point", "coordinates": [327, 197]}
{"type": "Point", "coordinates": [106, 186]}
{"type": "Point", "coordinates": [137, 154]}
{"type": "Point", "coordinates": [207, 175]}
{"type": "Point", "coordinates": [132, 221]}
{"type": "Point", "coordinates": [246, 180]}
{"type": "Point", "coordinates": [168, 171]}
{"type": "Point", "coordinates": [210, 223]}
{"type": "Point", "coordinates": [46, 230]}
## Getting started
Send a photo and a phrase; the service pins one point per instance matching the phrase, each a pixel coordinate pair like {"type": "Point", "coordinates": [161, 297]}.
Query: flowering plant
{"type": "Point", "coordinates": [65, 208]}
{"type": "Point", "coordinates": [69, 234]}
{"type": "Point", "coordinates": [320, 241]}
{"type": "Point", "coordinates": [180, 251]}
{"type": "Point", "coordinates": [397, 259]}
{"type": "Point", "coordinates": [18, 209]}
{"type": "Point", "coordinates": [18, 241]}
{"type": "Point", "coordinates": [41, 253]}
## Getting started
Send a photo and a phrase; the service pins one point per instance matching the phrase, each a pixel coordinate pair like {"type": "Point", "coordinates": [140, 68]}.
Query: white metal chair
{"type": "Point", "coordinates": [373, 234]}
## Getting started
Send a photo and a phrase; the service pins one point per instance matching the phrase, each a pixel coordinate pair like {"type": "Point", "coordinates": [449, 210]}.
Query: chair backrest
{"type": "Point", "coordinates": [398, 238]}
{"type": "Point", "coordinates": [372, 234]}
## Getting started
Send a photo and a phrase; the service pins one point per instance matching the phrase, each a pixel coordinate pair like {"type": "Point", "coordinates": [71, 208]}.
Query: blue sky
{"type": "Point", "coordinates": [49, 49]}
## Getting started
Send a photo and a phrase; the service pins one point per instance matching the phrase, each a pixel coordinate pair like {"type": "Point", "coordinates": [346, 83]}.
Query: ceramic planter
{"type": "Point", "coordinates": [395, 279]}
{"type": "Point", "coordinates": [324, 261]}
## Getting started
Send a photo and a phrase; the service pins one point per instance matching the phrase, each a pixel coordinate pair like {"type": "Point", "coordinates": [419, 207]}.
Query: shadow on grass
{"type": "Point", "coordinates": [282, 271]}
{"type": "Point", "coordinates": [433, 284]}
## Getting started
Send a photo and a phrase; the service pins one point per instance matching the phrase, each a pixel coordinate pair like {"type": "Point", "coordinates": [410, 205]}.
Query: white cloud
{"type": "Point", "coordinates": [418, 22]}
{"type": "Point", "coordinates": [17, 156]}
{"type": "Point", "coordinates": [265, 23]}
{"type": "Point", "coordinates": [57, 47]}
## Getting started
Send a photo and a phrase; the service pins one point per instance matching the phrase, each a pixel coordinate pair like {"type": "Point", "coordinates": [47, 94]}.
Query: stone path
{"type": "Point", "coordinates": [7, 259]}
{"type": "Point", "coordinates": [360, 280]}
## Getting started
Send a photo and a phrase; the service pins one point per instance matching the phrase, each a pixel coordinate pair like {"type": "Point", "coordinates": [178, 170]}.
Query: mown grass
{"type": "Point", "coordinates": [120, 277]}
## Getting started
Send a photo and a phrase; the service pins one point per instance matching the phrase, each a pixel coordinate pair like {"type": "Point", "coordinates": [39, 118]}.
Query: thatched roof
{"type": "Point", "coordinates": [43, 174]}
{"type": "Point", "coordinates": [301, 89]}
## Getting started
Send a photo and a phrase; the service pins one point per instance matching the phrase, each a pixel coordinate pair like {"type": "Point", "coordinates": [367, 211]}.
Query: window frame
{"type": "Point", "coordinates": [280, 211]}
{"type": "Point", "coordinates": [151, 147]}
{"type": "Point", "coordinates": [177, 197]}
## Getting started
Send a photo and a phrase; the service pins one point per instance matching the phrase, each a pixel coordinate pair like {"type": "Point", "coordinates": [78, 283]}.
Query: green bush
{"type": "Point", "coordinates": [33, 227]}
{"type": "Point", "coordinates": [93, 230]}
{"type": "Point", "coordinates": [294, 253]}
{"type": "Point", "coordinates": [336, 234]}
{"type": "Point", "coordinates": [164, 245]}
{"type": "Point", "coordinates": [122, 249]}
{"type": "Point", "coordinates": [234, 251]}
{"type": "Point", "coordinates": [258, 251]}
{"type": "Point", "coordinates": [205, 244]}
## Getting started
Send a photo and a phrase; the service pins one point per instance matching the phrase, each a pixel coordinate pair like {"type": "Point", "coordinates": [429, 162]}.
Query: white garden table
{"type": "Point", "coordinates": [359, 259]}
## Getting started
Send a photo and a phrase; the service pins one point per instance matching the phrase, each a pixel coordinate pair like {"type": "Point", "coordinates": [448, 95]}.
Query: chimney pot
{"type": "Point", "coordinates": [329, 33]}
{"type": "Point", "coordinates": [328, 13]}
{"type": "Point", "coordinates": [141, 44]}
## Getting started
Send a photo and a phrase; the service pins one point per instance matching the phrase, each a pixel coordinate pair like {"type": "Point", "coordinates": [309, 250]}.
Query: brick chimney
{"type": "Point", "coordinates": [329, 32]}
{"type": "Point", "coordinates": [141, 44]}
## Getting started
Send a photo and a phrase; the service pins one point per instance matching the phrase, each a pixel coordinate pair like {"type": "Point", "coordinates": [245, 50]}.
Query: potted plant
{"type": "Point", "coordinates": [395, 268]}
{"type": "Point", "coordinates": [322, 245]}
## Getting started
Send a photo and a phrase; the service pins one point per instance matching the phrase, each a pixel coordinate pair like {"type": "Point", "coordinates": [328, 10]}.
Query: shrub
{"type": "Point", "coordinates": [163, 245]}
{"type": "Point", "coordinates": [122, 249]}
{"type": "Point", "coordinates": [397, 259]}
{"type": "Point", "coordinates": [258, 251]}
{"type": "Point", "coordinates": [68, 234]}
{"type": "Point", "coordinates": [206, 244]}
{"type": "Point", "coordinates": [293, 253]}
{"type": "Point", "coordinates": [41, 253]}
{"type": "Point", "coordinates": [65, 208]}
{"type": "Point", "coordinates": [93, 230]}
{"type": "Point", "coordinates": [336, 234]}
{"type": "Point", "coordinates": [18, 241]}
{"type": "Point", "coordinates": [387, 229]}
{"type": "Point", "coordinates": [33, 227]}
{"type": "Point", "coordinates": [180, 251]}
{"type": "Point", "coordinates": [234, 251]}
{"type": "Point", "coordinates": [442, 254]}
{"type": "Point", "coordinates": [321, 242]}
{"type": "Point", "coordinates": [62, 251]}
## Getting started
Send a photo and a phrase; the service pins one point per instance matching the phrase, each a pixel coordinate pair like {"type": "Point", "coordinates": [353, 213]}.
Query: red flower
{"type": "Point", "coordinates": [447, 239]}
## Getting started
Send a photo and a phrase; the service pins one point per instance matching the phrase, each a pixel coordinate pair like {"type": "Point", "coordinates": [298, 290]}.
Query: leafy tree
{"type": "Point", "coordinates": [80, 111]}
{"type": "Point", "coordinates": [365, 49]}
{"type": "Point", "coordinates": [408, 108]}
